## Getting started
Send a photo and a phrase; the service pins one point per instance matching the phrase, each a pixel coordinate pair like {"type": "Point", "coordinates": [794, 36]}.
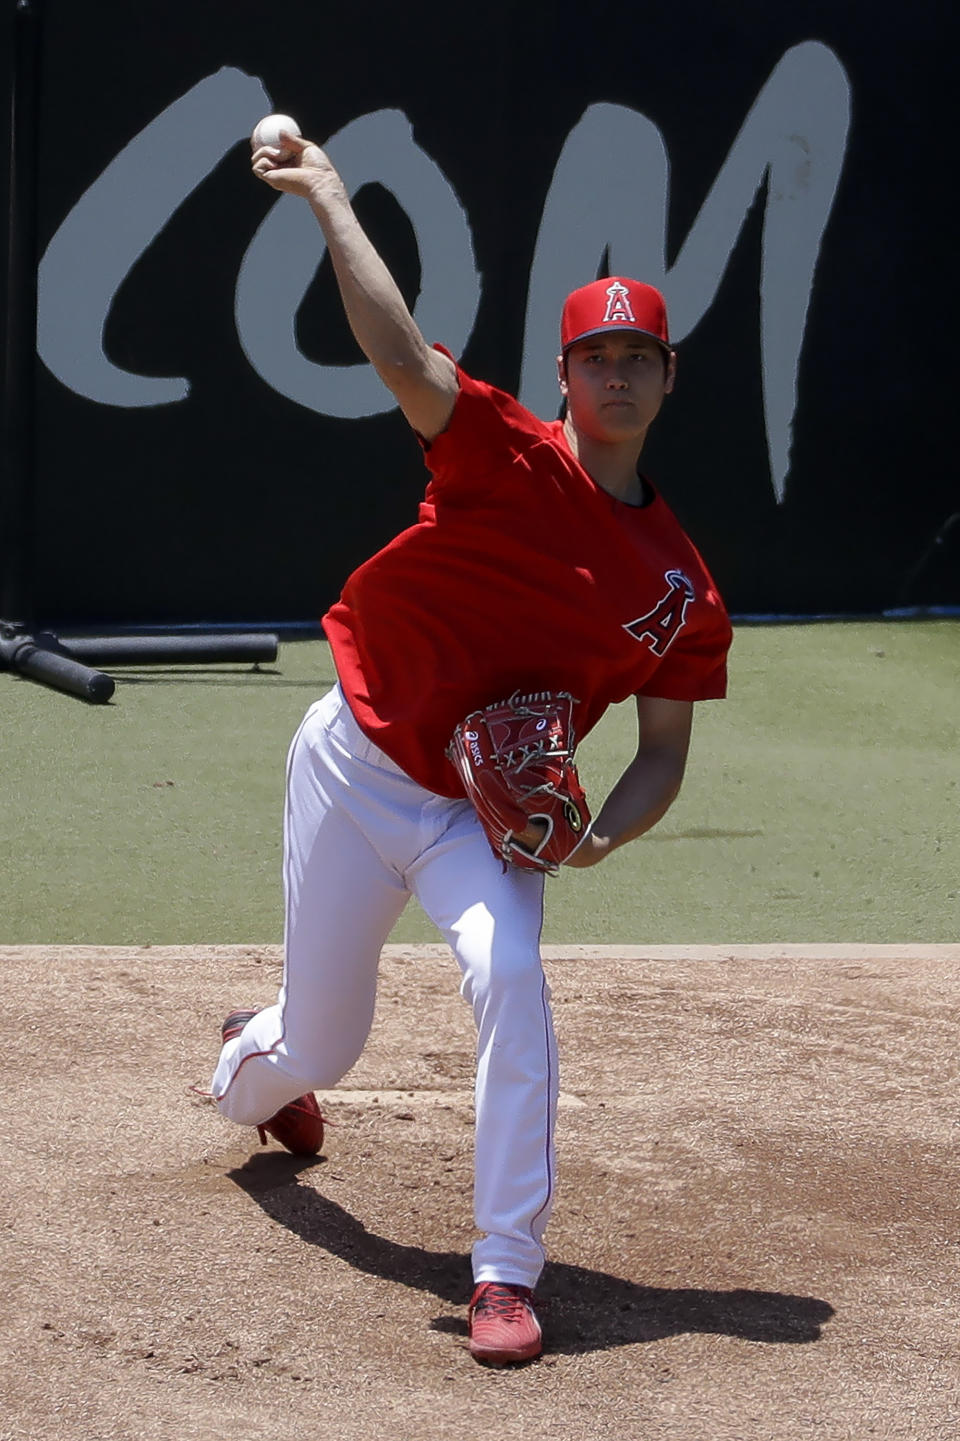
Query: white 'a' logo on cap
{"type": "Point", "coordinates": [618, 304]}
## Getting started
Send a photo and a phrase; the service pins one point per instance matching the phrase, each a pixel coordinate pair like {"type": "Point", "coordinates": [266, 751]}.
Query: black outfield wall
{"type": "Point", "coordinates": [210, 446]}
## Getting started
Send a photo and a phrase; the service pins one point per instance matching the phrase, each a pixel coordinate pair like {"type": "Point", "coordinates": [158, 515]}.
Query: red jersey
{"type": "Point", "coordinates": [520, 573]}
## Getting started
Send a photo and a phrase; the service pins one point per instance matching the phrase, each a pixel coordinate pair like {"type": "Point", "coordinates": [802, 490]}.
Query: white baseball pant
{"type": "Point", "coordinates": [361, 837]}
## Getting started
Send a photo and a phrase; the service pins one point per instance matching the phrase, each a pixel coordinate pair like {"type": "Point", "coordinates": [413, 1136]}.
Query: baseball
{"type": "Point", "coordinates": [268, 130]}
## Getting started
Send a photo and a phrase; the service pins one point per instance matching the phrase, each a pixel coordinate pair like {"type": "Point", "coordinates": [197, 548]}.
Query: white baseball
{"type": "Point", "coordinates": [268, 130]}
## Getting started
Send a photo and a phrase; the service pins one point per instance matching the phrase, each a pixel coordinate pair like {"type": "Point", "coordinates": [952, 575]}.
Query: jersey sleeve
{"type": "Point", "coordinates": [487, 433]}
{"type": "Point", "coordinates": [695, 666]}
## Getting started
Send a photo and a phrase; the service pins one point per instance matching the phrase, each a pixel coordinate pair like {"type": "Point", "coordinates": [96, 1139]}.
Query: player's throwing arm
{"type": "Point", "coordinates": [423, 380]}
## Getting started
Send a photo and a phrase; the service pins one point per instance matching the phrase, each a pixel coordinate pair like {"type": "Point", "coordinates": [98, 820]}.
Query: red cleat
{"type": "Point", "coordinates": [503, 1324]}
{"type": "Point", "coordinates": [299, 1125]}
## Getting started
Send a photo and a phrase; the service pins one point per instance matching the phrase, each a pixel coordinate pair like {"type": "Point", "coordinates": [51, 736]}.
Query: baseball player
{"type": "Point", "coordinates": [542, 560]}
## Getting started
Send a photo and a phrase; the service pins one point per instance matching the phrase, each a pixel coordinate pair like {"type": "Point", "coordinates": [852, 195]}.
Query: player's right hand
{"type": "Point", "coordinates": [299, 168]}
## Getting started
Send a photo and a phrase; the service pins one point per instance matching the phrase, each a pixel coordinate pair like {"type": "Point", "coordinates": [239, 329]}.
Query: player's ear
{"type": "Point", "coordinates": [671, 375]}
{"type": "Point", "coordinates": [562, 374]}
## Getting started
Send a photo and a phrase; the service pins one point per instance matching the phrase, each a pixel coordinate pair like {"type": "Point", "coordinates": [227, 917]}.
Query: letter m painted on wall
{"type": "Point", "coordinates": [609, 196]}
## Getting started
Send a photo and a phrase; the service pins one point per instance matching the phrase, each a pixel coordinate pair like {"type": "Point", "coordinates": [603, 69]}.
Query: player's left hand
{"type": "Point", "coordinates": [532, 835]}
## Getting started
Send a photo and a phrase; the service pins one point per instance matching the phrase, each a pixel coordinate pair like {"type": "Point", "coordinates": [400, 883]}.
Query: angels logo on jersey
{"type": "Point", "coordinates": [660, 627]}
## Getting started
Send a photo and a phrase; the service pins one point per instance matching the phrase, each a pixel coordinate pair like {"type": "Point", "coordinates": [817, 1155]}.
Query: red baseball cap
{"type": "Point", "coordinates": [613, 304]}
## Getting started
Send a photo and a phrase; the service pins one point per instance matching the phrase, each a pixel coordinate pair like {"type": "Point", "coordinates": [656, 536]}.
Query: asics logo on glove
{"type": "Point", "coordinates": [474, 742]}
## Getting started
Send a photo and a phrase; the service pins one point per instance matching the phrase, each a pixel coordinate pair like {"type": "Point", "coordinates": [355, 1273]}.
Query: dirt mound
{"type": "Point", "coordinates": [755, 1234]}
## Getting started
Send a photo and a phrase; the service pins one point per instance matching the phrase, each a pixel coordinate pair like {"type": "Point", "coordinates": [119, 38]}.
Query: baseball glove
{"type": "Point", "coordinates": [515, 759]}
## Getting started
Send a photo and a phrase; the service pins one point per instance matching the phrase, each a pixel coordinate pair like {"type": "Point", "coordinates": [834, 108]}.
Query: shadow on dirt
{"type": "Point", "coordinates": [585, 1310]}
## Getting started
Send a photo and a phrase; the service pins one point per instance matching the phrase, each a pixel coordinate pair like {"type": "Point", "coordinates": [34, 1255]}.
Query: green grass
{"type": "Point", "coordinates": [821, 800]}
{"type": "Point", "coordinates": [821, 803]}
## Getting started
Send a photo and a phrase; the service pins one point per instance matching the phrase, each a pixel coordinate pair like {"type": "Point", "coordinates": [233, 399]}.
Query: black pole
{"type": "Point", "coordinates": [20, 348]}
{"type": "Point", "coordinates": [20, 652]}
{"type": "Point", "coordinates": [170, 650]}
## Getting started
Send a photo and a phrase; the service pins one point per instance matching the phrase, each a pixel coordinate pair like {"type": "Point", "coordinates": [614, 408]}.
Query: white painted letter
{"type": "Point", "coordinates": [610, 190]}
{"type": "Point", "coordinates": [285, 252]}
{"type": "Point", "coordinates": [117, 218]}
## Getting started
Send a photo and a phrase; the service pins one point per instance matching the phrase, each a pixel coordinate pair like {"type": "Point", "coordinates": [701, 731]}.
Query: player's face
{"type": "Point", "coordinates": [615, 384]}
